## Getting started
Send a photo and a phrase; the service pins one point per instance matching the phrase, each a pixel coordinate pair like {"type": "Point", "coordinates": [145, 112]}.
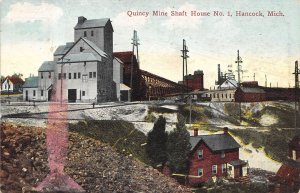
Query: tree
{"type": "Point", "coordinates": [156, 142]}
{"type": "Point", "coordinates": [178, 147]}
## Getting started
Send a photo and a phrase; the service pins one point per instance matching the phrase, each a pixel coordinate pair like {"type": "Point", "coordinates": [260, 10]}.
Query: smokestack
{"type": "Point", "coordinates": [225, 129]}
{"type": "Point", "coordinates": [195, 131]}
{"type": "Point", "coordinates": [81, 19]}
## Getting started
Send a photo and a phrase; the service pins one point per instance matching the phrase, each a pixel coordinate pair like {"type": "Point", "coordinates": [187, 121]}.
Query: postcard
{"type": "Point", "coordinates": [150, 96]}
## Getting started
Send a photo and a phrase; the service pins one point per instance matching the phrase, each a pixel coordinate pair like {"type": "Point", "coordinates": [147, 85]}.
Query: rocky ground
{"type": "Point", "coordinates": [95, 166]}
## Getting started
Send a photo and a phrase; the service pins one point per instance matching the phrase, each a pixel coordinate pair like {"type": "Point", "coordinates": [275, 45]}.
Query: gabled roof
{"type": "Point", "coordinates": [62, 49]}
{"type": "Point", "coordinates": [14, 79]}
{"type": "Point", "coordinates": [125, 57]}
{"type": "Point", "coordinates": [95, 47]}
{"type": "Point", "coordinates": [31, 82]}
{"type": "Point", "coordinates": [230, 82]}
{"type": "Point", "coordinates": [47, 66]}
{"type": "Point", "coordinates": [216, 142]}
{"type": "Point", "coordinates": [92, 23]}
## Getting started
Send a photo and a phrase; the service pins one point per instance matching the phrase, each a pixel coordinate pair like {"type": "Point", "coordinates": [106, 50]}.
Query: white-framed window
{"type": "Point", "coordinates": [200, 153]}
{"type": "Point", "coordinates": [90, 74]}
{"type": "Point", "coordinates": [84, 78]}
{"type": "Point", "coordinates": [33, 92]}
{"type": "Point", "coordinates": [83, 93]}
{"type": "Point", "coordinates": [42, 92]}
{"type": "Point", "coordinates": [223, 168]}
{"type": "Point", "coordinates": [214, 169]}
{"type": "Point", "coordinates": [200, 171]}
{"type": "Point", "coordinates": [42, 75]}
{"type": "Point", "coordinates": [222, 154]}
{"type": "Point", "coordinates": [94, 74]}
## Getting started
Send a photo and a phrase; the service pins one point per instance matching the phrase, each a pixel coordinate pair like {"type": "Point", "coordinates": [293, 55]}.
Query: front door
{"type": "Point", "coordinates": [49, 94]}
{"type": "Point", "coordinates": [26, 95]}
{"type": "Point", "coordinates": [72, 95]}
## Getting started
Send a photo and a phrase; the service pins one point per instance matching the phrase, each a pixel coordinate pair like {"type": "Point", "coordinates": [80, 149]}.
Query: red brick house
{"type": "Point", "coordinates": [215, 155]}
{"type": "Point", "coordinates": [287, 178]}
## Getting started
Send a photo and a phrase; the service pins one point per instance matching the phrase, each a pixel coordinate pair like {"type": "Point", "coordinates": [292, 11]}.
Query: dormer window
{"type": "Point", "coordinates": [92, 33]}
{"type": "Point", "coordinates": [84, 33]}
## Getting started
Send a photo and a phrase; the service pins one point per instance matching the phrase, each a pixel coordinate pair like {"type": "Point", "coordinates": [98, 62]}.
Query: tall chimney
{"type": "Point", "coordinates": [81, 19]}
{"type": "Point", "coordinates": [225, 129]}
{"type": "Point", "coordinates": [195, 131]}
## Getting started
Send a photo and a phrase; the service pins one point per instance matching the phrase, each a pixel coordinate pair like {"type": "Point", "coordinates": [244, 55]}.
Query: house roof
{"type": "Point", "coordinates": [14, 79]}
{"type": "Point", "coordinates": [62, 49]}
{"type": "Point", "coordinates": [216, 142]}
{"type": "Point", "coordinates": [252, 90]}
{"type": "Point", "coordinates": [237, 162]}
{"type": "Point", "coordinates": [31, 82]}
{"type": "Point", "coordinates": [92, 23]}
{"type": "Point", "coordinates": [47, 66]}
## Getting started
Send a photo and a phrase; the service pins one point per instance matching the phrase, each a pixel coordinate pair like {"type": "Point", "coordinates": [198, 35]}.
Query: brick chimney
{"type": "Point", "coordinates": [225, 129]}
{"type": "Point", "coordinates": [81, 19]}
{"type": "Point", "coordinates": [195, 131]}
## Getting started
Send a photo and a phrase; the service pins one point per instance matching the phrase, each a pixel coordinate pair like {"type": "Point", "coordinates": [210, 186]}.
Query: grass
{"type": "Point", "coordinates": [275, 142]}
{"type": "Point", "coordinates": [120, 134]}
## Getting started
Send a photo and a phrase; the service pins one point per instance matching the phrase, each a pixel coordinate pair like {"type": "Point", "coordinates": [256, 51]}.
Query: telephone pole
{"type": "Point", "coordinates": [135, 43]}
{"type": "Point", "coordinates": [184, 61]}
{"type": "Point", "coordinates": [239, 69]}
{"type": "Point", "coordinates": [297, 107]}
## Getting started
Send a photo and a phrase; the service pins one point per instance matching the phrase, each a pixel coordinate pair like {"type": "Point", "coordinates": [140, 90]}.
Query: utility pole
{"type": "Point", "coordinates": [239, 61]}
{"type": "Point", "coordinates": [184, 61]}
{"type": "Point", "coordinates": [135, 43]}
{"type": "Point", "coordinates": [297, 107]}
{"type": "Point", "coordinates": [266, 81]}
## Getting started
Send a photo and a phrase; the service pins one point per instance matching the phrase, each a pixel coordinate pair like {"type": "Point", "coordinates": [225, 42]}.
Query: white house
{"type": "Point", "coordinates": [12, 84]}
{"type": "Point", "coordinates": [30, 88]}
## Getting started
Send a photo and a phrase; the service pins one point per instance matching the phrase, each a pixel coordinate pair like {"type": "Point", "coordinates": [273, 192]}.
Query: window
{"type": "Point", "coordinates": [33, 92]}
{"type": "Point", "coordinates": [223, 168]}
{"type": "Point", "coordinates": [230, 95]}
{"type": "Point", "coordinates": [42, 76]}
{"type": "Point", "coordinates": [65, 75]}
{"type": "Point", "coordinates": [214, 169]}
{"type": "Point", "coordinates": [222, 154]}
{"type": "Point", "coordinates": [84, 33]}
{"type": "Point", "coordinates": [222, 95]}
{"type": "Point", "coordinates": [70, 75]}
{"type": "Point", "coordinates": [90, 74]}
{"type": "Point", "coordinates": [218, 95]}
{"type": "Point", "coordinates": [229, 168]}
{"type": "Point", "coordinates": [81, 49]}
{"type": "Point", "coordinates": [49, 75]}
{"type": "Point", "coordinates": [94, 74]}
{"type": "Point", "coordinates": [59, 76]}
{"type": "Point", "coordinates": [75, 75]}
{"type": "Point", "coordinates": [42, 93]}
{"type": "Point", "coordinates": [79, 75]}
{"type": "Point", "coordinates": [84, 78]}
{"type": "Point", "coordinates": [226, 95]}
{"type": "Point", "coordinates": [214, 95]}
{"type": "Point", "coordinates": [200, 171]}
{"type": "Point", "coordinates": [200, 154]}
{"type": "Point", "coordinates": [83, 93]}
{"type": "Point", "coordinates": [92, 33]}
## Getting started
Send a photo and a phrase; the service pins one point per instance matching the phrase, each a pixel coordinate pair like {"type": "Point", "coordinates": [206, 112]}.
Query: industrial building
{"type": "Point", "coordinates": [84, 70]}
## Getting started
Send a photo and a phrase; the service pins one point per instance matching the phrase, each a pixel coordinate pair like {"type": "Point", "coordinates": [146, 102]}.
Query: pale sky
{"type": "Point", "coordinates": [31, 30]}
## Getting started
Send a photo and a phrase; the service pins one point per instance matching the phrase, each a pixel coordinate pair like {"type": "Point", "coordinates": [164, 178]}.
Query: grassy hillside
{"type": "Point", "coordinates": [120, 134]}
{"type": "Point", "coordinates": [275, 141]}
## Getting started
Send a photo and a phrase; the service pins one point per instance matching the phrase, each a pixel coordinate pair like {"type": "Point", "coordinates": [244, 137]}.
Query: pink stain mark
{"type": "Point", "coordinates": [57, 147]}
